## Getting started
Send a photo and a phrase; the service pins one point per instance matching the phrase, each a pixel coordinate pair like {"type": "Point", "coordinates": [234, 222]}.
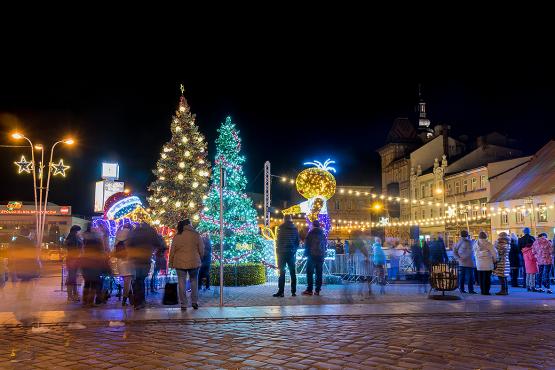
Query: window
{"type": "Point", "coordinates": [457, 187]}
{"type": "Point", "coordinates": [422, 191]}
{"type": "Point", "coordinates": [519, 217]}
{"type": "Point", "coordinates": [431, 212]}
{"type": "Point", "coordinates": [475, 213]}
{"type": "Point", "coordinates": [483, 182]}
{"type": "Point", "coordinates": [415, 215]}
{"type": "Point", "coordinates": [542, 212]}
{"type": "Point", "coordinates": [504, 218]}
{"type": "Point", "coordinates": [465, 186]}
{"type": "Point", "coordinates": [350, 204]}
{"type": "Point", "coordinates": [449, 188]}
{"type": "Point", "coordinates": [337, 205]}
{"type": "Point", "coordinates": [484, 209]}
{"type": "Point", "coordinates": [423, 214]}
{"type": "Point", "coordinates": [474, 183]}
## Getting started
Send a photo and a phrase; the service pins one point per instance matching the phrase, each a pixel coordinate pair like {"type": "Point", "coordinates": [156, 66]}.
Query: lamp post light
{"type": "Point", "coordinates": [40, 207]}
{"type": "Point", "coordinates": [50, 165]}
{"type": "Point", "coordinates": [19, 136]}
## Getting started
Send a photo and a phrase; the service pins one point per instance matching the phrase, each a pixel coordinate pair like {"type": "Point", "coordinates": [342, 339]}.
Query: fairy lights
{"type": "Point", "coordinates": [23, 165]}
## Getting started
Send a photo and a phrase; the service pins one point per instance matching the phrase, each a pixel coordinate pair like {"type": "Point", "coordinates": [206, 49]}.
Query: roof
{"type": "Point", "coordinates": [537, 178]}
{"type": "Point", "coordinates": [402, 131]}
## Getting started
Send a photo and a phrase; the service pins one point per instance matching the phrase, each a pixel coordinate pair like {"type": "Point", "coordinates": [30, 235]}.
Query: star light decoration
{"type": "Point", "coordinates": [23, 165]}
{"type": "Point", "coordinates": [60, 168]}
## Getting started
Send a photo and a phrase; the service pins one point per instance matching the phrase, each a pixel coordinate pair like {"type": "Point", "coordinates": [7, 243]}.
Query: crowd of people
{"type": "Point", "coordinates": [140, 252]}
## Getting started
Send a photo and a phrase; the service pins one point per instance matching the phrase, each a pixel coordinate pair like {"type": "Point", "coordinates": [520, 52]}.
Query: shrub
{"type": "Point", "coordinates": [241, 274]}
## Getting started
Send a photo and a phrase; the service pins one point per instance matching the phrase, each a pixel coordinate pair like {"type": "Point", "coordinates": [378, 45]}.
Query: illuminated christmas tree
{"type": "Point", "coordinates": [182, 172]}
{"type": "Point", "coordinates": [241, 239]}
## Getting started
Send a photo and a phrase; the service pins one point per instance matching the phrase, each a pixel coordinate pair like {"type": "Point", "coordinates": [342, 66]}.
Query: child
{"type": "Point", "coordinates": [531, 265]}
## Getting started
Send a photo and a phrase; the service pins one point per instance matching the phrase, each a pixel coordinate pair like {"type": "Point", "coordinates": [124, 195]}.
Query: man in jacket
{"type": "Point", "coordinates": [464, 254]}
{"type": "Point", "coordinates": [438, 253]}
{"type": "Point", "coordinates": [523, 242]}
{"type": "Point", "coordinates": [315, 251]}
{"type": "Point", "coordinates": [286, 250]}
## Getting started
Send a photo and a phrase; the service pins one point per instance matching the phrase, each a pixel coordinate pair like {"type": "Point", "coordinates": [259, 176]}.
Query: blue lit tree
{"type": "Point", "coordinates": [241, 239]}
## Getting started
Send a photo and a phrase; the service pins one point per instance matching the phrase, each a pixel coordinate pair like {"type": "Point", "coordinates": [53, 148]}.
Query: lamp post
{"type": "Point", "coordinates": [50, 165]}
{"type": "Point", "coordinates": [19, 136]}
{"type": "Point", "coordinates": [40, 207]}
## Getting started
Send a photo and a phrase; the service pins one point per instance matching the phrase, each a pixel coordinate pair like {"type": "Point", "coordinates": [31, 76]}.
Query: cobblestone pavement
{"type": "Point", "coordinates": [507, 341]}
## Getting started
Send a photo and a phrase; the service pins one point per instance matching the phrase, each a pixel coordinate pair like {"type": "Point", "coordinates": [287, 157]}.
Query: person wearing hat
{"type": "Point", "coordinates": [125, 265]}
{"type": "Point", "coordinates": [525, 241]}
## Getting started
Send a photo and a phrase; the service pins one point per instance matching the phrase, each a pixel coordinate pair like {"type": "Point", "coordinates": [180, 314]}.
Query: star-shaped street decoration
{"type": "Point", "coordinates": [23, 165]}
{"type": "Point", "coordinates": [60, 168]}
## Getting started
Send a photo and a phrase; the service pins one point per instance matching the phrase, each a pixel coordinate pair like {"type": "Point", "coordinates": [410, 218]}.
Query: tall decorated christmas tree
{"type": "Point", "coordinates": [182, 172]}
{"type": "Point", "coordinates": [241, 240]}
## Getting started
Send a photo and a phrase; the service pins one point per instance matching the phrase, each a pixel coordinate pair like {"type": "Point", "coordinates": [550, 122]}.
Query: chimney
{"type": "Point", "coordinates": [445, 134]}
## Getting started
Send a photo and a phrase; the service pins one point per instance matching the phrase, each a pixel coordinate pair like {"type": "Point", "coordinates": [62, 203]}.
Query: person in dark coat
{"type": "Point", "coordinates": [515, 256]}
{"type": "Point", "coordinates": [418, 262]}
{"type": "Point", "coordinates": [525, 241]}
{"type": "Point", "coordinates": [160, 262]}
{"type": "Point", "coordinates": [438, 253]}
{"type": "Point", "coordinates": [287, 244]}
{"type": "Point", "coordinates": [315, 250]}
{"type": "Point", "coordinates": [142, 241]}
{"type": "Point", "coordinates": [74, 246]}
{"type": "Point", "coordinates": [94, 263]}
{"type": "Point", "coordinates": [426, 254]}
{"type": "Point", "coordinates": [204, 272]}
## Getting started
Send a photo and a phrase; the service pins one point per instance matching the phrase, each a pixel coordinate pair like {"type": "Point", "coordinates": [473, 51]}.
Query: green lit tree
{"type": "Point", "coordinates": [241, 239]}
{"type": "Point", "coordinates": [182, 172]}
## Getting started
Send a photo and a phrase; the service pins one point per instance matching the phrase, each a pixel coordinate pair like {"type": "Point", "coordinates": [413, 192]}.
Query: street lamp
{"type": "Point", "coordinates": [68, 141]}
{"type": "Point", "coordinates": [19, 136]}
{"type": "Point", "coordinates": [40, 207]}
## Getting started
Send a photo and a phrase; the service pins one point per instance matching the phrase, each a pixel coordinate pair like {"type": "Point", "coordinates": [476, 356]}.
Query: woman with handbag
{"type": "Point", "coordinates": [485, 256]}
{"type": "Point", "coordinates": [187, 250]}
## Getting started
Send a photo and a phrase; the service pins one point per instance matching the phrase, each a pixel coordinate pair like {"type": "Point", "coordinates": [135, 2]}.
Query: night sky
{"type": "Point", "coordinates": [294, 100]}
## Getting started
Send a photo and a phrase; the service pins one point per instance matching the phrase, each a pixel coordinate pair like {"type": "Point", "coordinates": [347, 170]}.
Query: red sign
{"type": "Point", "coordinates": [64, 210]}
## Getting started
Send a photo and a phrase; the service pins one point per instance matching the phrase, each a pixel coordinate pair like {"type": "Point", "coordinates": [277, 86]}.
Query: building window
{"type": "Point", "coordinates": [457, 187]}
{"type": "Point", "coordinates": [542, 212]}
{"type": "Point", "coordinates": [475, 213]}
{"type": "Point", "coordinates": [483, 182]}
{"type": "Point", "coordinates": [484, 209]}
{"type": "Point", "coordinates": [350, 204]}
{"type": "Point", "coordinates": [415, 215]}
{"type": "Point", "coordinates": [519, 217]}
{"type": "Point", "coordinates": [504, 218]}
{"type": "Point", "coordinates": [449, 188]}
{"type": "Point", "coordinates": [474, 183]}
{"type": "Point", "coordinates": [423, 214]}
{"type": "Point", "coordinates": [431, 212]}
{"type": "Point", "coordinates": [465, 186]}
{"type": "Point", "coordinates": [337, 205]}
{"type": "Point", "coordinates": [422, 191]}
